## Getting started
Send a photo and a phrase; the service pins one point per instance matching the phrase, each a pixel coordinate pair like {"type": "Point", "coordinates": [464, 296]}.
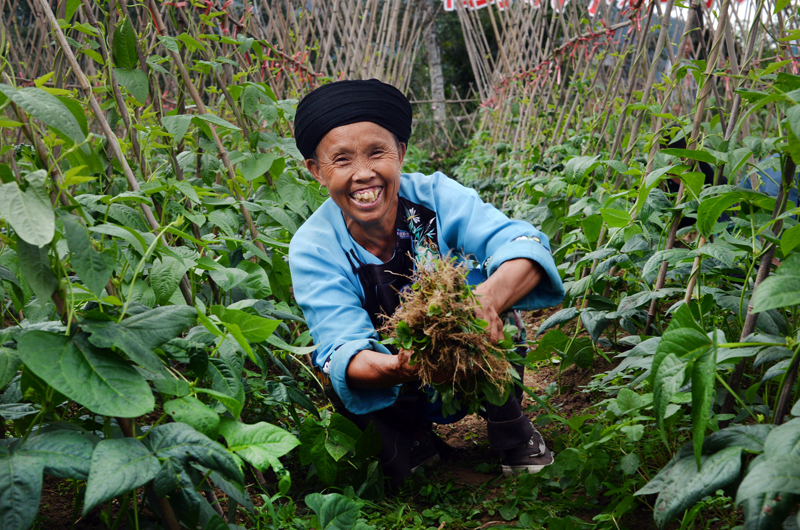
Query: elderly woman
{"type": "Point", "coordinates": [353, 256]}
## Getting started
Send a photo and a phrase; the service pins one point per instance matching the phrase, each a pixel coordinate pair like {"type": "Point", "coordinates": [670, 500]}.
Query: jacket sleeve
{"type": "Point", "coordinates": [332, 302]}
{"type": "Point", "coordinates": [480, 231]}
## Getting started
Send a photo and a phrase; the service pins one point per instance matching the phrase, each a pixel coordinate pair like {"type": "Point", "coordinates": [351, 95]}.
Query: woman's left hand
{"type": "Point", "coordinates": [489, 313]}
{"type": "Point", "coordinates": [510, 282]}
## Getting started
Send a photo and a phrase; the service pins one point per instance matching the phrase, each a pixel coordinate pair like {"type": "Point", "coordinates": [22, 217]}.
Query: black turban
{"type": "Point", "coordinates": [346, 102]}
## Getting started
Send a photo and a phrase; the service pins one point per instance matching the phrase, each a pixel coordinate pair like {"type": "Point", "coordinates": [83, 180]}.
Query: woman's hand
{"type": "Point", "coordinates": [372, 369]}
{"type": "Point", "coordinates": [511, 281]}
{"type": "Point", "coordinates": [488, 312]}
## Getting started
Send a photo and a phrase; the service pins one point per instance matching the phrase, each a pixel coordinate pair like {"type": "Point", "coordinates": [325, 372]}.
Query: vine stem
{"type": "Point", "coordinates": [740, 400]}
{"type": "Point", "coordinates": [201, 109]}
{"type": "Point", "coordinates": [113, 141]}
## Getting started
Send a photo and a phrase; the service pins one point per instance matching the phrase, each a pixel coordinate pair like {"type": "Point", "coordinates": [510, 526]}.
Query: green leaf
{"type": "Point", "coordinates": [782, 289]}
{"type": "Point", "coordinates": [702, 156]}
{"type": "Point", "coordinates": [718, 251]}
{"type": "Point", "coordinates": [790, 239]}
{"type": "Point", "coordinates": [784, 439]}
{"type": "Point", "coordinates": [767, 511]}
{"type": "Point", "coordinates": [62, 453]}
{"type": "Point", "coordinates": [138, 335]}
{"type": "Point", "coordinates": [684, 485]}
{"type": "Point", "coordinates": [334, 511]}
{"type": "Point", "coordinates": [564, 315]}
{"type": "Point", "coordinates": [118, 466]}
{"type": "Point", "coordinates": [48, 109]}
{"type": "Point", "coordinates": [773, 473]}
{"type": "Point", "coordinates": [749, 437]}
{"type": "Point", "coordinates": [235, 491]}
{"type": "Point", "coordinates": [630, 463]}
{"type": "Point", "coordinates": [28, 212]}
{"type": "Point", "coordinates": [615, 218]}
{"type": "Point", "coordinates": [703, 392]}
{"type": "Point", "coordinates": [260, 444]}
{"type": "Point", "coordinates": [123, 49]}
{"type": "Point", "coordinates": [257, 166]}
{"type": "Point", "coordinates": [225, 381]}
{"type": "Point", "coordinates": [165, 275]}
{"type": "Point", "coordinates": [254, 328]}
{"type": "Point", "coordinates": [134, 81]}
{"type": "Point", "coordinates": [168, 478]}
{"type": "Point", "coordinates": [125, 233]}
{"type": "Point", "coordinates": [577, 168]}
{"type": "Point", "coordinates": [93, 268]}
{"type": "Point", "coordinates": [35, 267]}
{"type": "Point", "coordinates": [654, 176]}
{"type": "Point", "coordinates": [10, 364]}
{"type": "Point", "coordinates": [185, 445]}
{"type": "Point", "coordinates": [177, 126]}
{"type": "Point", "coordinates": [669, 377]}
{"type": "Point", "coordinates": [97, 379]}
{"type": "Point", "coordinates": [192, 411]}
{"type": "Point", "coordinates": [20, 491]}
{"type": "Point", "coordinates": [216, 120]}
{"type": "Point", "coordinates": [793, 117]}
{"type": "Point", "coordinates": [595, 323]}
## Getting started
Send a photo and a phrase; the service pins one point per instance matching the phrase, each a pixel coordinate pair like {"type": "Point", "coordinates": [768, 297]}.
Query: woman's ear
{"type": "Point", "coordinates": [313, 166]}
{"type": "Point", "coordinates": [401, 153]}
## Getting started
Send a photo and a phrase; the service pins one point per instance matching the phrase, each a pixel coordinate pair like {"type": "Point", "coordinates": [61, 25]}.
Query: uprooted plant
{"type": "Point", "coordinates": [437, 321]}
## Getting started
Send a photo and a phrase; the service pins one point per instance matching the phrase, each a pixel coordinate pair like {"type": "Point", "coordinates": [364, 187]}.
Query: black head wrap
{"type": "Point", "coordinates": [346, 102]}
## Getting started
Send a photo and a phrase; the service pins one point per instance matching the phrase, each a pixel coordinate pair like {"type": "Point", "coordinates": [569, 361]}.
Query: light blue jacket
{"type": "Point", "coordinates": [331, 296]}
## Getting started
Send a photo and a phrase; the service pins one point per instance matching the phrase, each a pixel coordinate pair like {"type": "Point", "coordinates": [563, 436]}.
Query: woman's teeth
{"type": "Point", "coordinates": [366, 196]}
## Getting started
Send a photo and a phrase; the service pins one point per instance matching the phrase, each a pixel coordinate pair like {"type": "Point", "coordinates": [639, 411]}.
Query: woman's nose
{"type": "Point", "coordinates": [363, 170]}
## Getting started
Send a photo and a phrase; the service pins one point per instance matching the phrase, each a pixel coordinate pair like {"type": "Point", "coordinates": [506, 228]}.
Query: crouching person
{"type": "Point", "coordinates": [357, 251]}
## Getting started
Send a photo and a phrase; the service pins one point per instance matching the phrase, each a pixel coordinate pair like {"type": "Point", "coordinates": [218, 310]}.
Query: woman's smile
{"type": "Point", "coordinates": [367, 197]}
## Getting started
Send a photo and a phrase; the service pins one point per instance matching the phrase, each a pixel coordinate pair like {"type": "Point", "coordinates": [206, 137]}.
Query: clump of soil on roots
{"type": "Point", "coordinates": [437, 322]}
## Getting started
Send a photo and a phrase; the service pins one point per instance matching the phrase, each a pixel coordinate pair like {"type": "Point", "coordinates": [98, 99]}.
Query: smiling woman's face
{"type": "Point", "coordinates": [360, 165]}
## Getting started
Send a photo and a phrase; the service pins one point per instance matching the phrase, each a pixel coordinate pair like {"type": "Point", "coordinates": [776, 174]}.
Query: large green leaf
{"type": "Point", "coordinates": [93, 268]}
{"type": "Point", "coordinates": [192, 411]}
{"type": "Point", "coordinates": [138, 335]}
{"type": "Point", "coordinates": [711, 208]}
{"type": "Point", "coordinates": [118, 466]}
{"type": "Point", "coordinates": [684, 485]}
{"type": "Point", "coordinates": [35, 268]}
{"type": "Point", "coordinates": [184, 444]}
{"type": "Point", "coordinates": [781, 289]}
{"type": "Point", "coordinates": [97, 379]}
{"type": "Point", "coordinates": [774, 473]}
{"type": "Point", "coordinates": [749, 437]}
{"type": "Point", "coordinates": [62, 453]}
{"type": "Point", "coordinates": [669, 377]}
{"type": "Point", "coordinates": [123, 48]}
{"type": "Point", "coordinates": [767, 511]}
{"type": "Point", "coordinates": [20, 490]}
{"type": "Point", "coordinates": [29, 212]}
{"type": "Point", "coordinates": [254, 328]}
{"type": "Point", "coordinates": [784, 439]}
{"type": "Point", "coordinates": [48, 109]}
{"type": "Point", "coordinates": [134, 81]}
{"type": "Point", "coordinates": [334, 510]}
{"type": "Point", "coordinates": [703, 391]}
{"type": "Point", "coordinates": [260, 444]}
